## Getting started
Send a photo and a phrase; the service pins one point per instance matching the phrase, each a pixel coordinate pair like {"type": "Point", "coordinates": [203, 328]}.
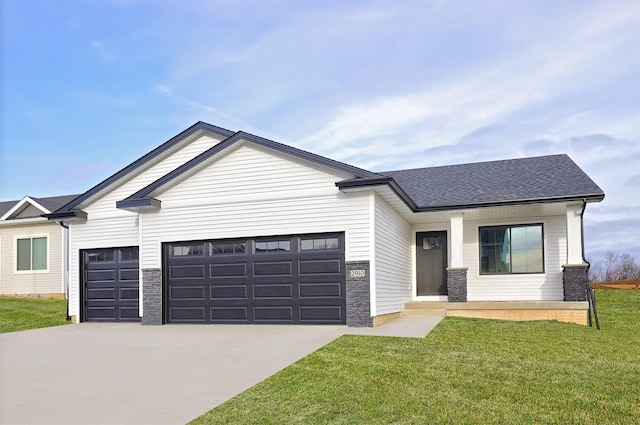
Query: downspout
{"type": "Point", "coordinates": [591, 294]}
{"type": "Point", "coordinates": [65, 270]}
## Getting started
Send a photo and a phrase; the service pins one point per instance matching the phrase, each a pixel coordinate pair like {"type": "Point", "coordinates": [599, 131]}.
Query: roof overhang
{"type": "Point", "coordinates": [139, 204]}
{"type": "Point", "coordinates": [363, 183]}
{"type": "Point", "coordinates": [19, 206]}
{"type": "Point", "coordinates": [78, 216]}
{"type": "Point", "coordinates": [359, 184]}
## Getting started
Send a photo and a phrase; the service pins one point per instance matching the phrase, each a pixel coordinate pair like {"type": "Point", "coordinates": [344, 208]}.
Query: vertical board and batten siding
{"type": "Point", "coordinates": [106, 204]}
{"type": "Point", "coordinates": [49, 282]}
{"type": "Point", "coordinates": [393, 259]}
{"type": "Point", "coordinates": [545, 286]}
{"type": "Point", "coordinates": [253, 191]}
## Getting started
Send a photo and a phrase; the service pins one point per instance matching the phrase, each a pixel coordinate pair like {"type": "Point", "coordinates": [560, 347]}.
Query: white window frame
{"type": "Point", "coordinates": [15, 253]}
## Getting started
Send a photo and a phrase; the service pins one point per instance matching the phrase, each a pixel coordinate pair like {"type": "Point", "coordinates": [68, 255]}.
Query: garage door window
{"type": "Point", "coordinates": [228, 248]}
{"type": "Point", "coordinates": [98, 256]}
{"type": "Point", "coordinates": [196, 250]}
{"type": "Point", "coordinates": [319, 243]}
{"type": "Point", "coordinates": [273, 246]}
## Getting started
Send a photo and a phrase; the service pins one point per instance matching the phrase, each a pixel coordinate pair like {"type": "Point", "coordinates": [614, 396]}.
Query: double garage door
{"type": "Point", "coordinates": [285, 279]}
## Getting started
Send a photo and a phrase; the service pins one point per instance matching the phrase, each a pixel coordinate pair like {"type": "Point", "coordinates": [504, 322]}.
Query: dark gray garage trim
{"type": "Point", "coordinates": [110, 285]}
{"type": "Point", "coordinates": [280, 279]}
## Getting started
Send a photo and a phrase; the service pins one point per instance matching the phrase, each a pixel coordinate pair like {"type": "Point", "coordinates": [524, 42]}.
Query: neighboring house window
{"type": "Point", "coordinates": [511, 249]}
{"type": "Point", "coordinates": [31, 253]}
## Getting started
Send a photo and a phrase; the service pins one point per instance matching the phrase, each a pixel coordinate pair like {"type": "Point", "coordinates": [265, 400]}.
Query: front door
{"type": "Point", "coordinates": [431, 263]}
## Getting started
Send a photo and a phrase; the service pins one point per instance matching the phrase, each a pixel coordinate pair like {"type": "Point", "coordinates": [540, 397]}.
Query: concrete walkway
{"type": "Point", "coordinates": [121, 373]}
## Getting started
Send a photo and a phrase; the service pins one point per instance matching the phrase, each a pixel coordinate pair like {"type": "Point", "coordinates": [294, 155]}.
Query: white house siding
{"type": "Point", "coordinates": [393, 259]}
{"type": "Point", "coordinates": [23, 283]}
{"type": "Point", "coordinates": [253, 191]}
{"type": "Point", "coordinates": [546, 286]}
{"type": "Point", "coordinates": [98, 233]}
{"type": "Point", "coordinates": [105, 206]}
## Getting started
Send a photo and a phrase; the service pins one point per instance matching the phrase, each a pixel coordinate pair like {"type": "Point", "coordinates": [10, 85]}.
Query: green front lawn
{"type": "Point", "coordinates": [18, 314]}
{"type": "Point", "coordinates": [467, 371]}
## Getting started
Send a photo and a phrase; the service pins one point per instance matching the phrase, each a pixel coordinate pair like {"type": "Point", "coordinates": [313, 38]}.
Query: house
{"type": "Point", "coordinates": [32, 248]}
{"type": "Point", "coordinates": [216, 226]}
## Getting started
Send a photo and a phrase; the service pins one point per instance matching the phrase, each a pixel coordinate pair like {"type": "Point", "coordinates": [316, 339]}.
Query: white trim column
{"type": "Point", "coordinates": [457, 241]}
{"type": "Point", "coordinates": [574, 234]}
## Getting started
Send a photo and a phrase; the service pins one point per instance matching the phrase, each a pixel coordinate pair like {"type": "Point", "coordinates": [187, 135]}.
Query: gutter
{"type": "Point", "coordinates": [591, 294]}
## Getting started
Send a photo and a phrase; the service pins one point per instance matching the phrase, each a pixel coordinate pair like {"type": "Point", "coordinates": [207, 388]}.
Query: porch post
{"type": "Point", "coordinates": [574, 234]}
{"type": "Point", "coordinates": [456, 272]}
{"type": "Point", "coordinates": [575, 273]}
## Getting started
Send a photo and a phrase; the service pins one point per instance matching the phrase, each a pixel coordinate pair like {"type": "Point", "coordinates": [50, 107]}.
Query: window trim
{"type": "Point", "coordinates": [15, 253]}
{"type": "Point", "coordinates": [510, 273]}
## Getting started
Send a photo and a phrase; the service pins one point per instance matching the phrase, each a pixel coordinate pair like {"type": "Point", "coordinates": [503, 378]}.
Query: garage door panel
{"type": "Point", "coordinates": [187, 292]}
{"type": "Point", "coordinates": [282, 313]}
{"type": "Point", "coordinates": [321, 290]}
{"type": "Point", "coordinates": [230, 314]}
{"type": "Point", "coordinates": [274, 290]}
{"type": "Point", "coordinates": [187, 271]}
{"type": "Point", "coordinates": [102, 313]}
{"type": "Point", "coordinates": [322, 267]}
{"type": "Point", "coordinates": [129, 274]}
{"type": "Point", "coordinates": [187, 314]}
{"type": "Point", "coordinates": [320, 313]}
{"type": "Point", "coordinates": [273, 268]}
{"type": "Point", "coordinates": [101, 275]}
{"type": "Point", "coordinates": [230, 270]}
{"type": "Point", "coordinates": [129, 313]}
{"type": "Point", "coordinates": [130, 294]}
{"type": "Point", "coordinates": [228, 292]}
{"type": "Point", "coordinates": [102, 294]}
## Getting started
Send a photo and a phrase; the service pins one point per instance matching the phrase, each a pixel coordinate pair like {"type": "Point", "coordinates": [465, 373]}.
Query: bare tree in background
{"type": "Point", "coordinates": [614, 267]}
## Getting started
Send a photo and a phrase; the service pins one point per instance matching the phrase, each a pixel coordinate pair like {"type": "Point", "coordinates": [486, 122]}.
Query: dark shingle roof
{"type": "Point", "coordinates": [51, 203]}
{"type": "Point", "coordinates": [526, 179]}
{"type": "Point", "coordinates": [6, 206]}
{"type": "Point", "coordinates": [54, 202]}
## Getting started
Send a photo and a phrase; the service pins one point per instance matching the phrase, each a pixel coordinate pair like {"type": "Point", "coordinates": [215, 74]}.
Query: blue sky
{"type": "Point", "coordinates": [89, 86]}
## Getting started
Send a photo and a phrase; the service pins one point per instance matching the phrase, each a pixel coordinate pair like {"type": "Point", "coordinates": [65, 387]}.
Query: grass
{"type": "Point", "coordinates": [466, 371]}
{"type": "Point", "coordinates": [18, 314]}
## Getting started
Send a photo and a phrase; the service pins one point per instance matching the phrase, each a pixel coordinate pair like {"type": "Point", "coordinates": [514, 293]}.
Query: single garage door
{"type": "Point", "coordinates": [110, 289]}
{"type": "Point", "coordinates": [283, 279]}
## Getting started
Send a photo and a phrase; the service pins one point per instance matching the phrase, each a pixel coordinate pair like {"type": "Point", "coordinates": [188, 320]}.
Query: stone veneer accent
{"type": "Point", "coordinates": [152, 296]}
{"type": "Point", "coordinates": [575, 279]}
{"type": "Point", "coordinates": [358, 295]}
{"type": "Point", "coordinates": [457, 285]}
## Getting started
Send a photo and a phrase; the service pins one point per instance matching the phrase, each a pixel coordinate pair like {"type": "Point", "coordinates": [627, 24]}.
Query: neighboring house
{"type": "Point", "coordinates": [216, 226]}
{"type": "Point", "coordinates": [32, 248]}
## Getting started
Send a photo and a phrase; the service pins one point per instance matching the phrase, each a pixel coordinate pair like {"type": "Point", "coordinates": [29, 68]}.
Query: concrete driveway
{"type": "Point", "coordinates": [120, 373]}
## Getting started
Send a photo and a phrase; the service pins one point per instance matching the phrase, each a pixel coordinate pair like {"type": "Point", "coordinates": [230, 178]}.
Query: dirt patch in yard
{"type": "Point", "coordinates": [617, 284]}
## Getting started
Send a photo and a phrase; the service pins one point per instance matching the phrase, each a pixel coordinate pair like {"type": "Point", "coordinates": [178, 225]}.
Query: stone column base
{"type": "Point", "coordinates": [457, 284]}
{"type": "Point", "coordinates": [575, 280]}
{"type": "Point", "coordinates": [358, 294]}
{"type": "Point", "coordinates": [151, 296]}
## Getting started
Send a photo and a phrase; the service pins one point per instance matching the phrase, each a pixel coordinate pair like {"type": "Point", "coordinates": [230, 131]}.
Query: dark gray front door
{"type": "Point", "coordinates": [110, 287]}
{"type": "Point", "coordinates": [279, 279]}
{"type": "Point", "coordinates": [431, 263]}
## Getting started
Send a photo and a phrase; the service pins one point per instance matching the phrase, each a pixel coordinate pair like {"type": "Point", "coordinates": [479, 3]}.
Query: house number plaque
{"type": "Point", "coordinates": [357, 273]}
